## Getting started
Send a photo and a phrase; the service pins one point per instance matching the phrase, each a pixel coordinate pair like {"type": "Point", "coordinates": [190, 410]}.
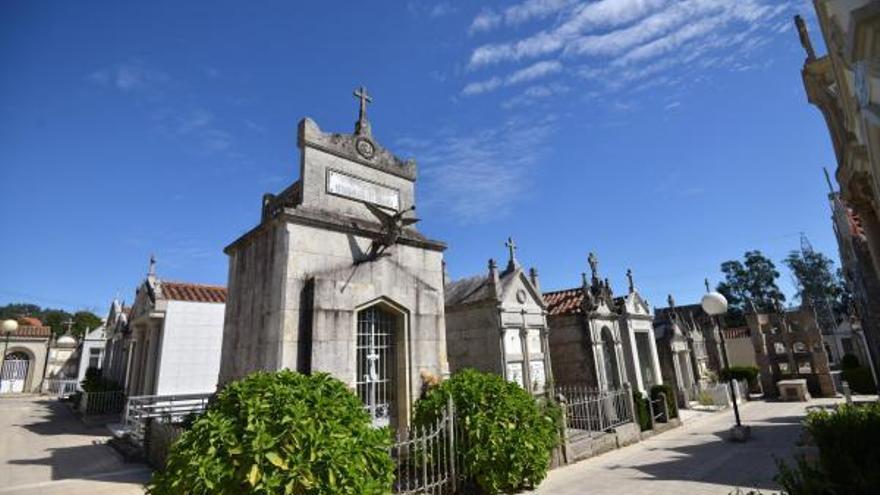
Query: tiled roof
{"type": "Point", "coordinates": [467, 290]}
{"type": "Point", "coordinates": [29, 321]}
{"type": "Point", "coordinates": [737, 333]}
{"type": "Point", "coordinates": [32, 331]}
{"type": "Point", "coordinates": [183, 291]}
{"type": "Point", "coordinates": [564, 302]}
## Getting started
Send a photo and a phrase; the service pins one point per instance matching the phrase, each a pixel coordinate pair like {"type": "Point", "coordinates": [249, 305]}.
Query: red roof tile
{"type": "Point", "coordinates": [564, 302]}
{"type": "Point", "coordinates": [183, 291]}
{"type": "Point", "coordinates": [29, 321]}
{"type": "Point", "coordinates": [737, 333]}
{"type": "Point", "coordinates": [32, 331]}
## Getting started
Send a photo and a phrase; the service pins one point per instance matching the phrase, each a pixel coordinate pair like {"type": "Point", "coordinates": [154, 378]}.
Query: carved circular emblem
{"type": "Point", "coordinates": [365, 148]}
{"type": "Point", "coordinates": [521, 296]}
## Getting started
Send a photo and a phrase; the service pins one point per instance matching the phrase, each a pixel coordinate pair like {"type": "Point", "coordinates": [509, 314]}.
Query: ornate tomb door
{"type": "Point", "coordinates": [14, 373]}
{"type": "Point", "coordinates": [376, 365]}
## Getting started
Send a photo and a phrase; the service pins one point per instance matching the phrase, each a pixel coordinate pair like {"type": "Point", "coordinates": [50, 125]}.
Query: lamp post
{"type": "Point", "coordinates": [715, 305]}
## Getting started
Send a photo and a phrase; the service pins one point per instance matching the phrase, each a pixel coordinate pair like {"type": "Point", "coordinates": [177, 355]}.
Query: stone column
{"type": "Point", "coordinates": [655, 357]}
{"type": "Point", "coordinates": [637, 368]}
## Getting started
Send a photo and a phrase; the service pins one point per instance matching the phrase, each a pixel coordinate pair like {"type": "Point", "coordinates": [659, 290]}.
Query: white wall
{"type": "Point", "coordinates": [191, 341]}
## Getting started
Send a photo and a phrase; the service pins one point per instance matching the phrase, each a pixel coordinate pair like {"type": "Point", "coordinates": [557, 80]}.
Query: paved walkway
{"type": "Point", "coordinates": [694, 459]}
{"type": "Point", "coordinates": [46, 450]}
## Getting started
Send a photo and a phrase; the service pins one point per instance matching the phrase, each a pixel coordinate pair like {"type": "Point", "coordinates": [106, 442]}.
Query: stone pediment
{"type": "Point", "coordinates": [359, 148]}
{"type": "Point", "coordinates": [518, 289]}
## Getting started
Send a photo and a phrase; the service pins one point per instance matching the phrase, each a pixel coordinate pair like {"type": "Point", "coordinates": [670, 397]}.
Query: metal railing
{"type": "Point", "coordinates": [595, 411]}
{"type": "Point", "coordinates": [93, 403]}
{"type": "Point", "coordinates": [718, 394]}
{"type": "Point", "coordinates": [60, 387]}
{"type": "Point", "coordinates": [169, 408]}
{"type": "Point", "coordinates": [425, 457]}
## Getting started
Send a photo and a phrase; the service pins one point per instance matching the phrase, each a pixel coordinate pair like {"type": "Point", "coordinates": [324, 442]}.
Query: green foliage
{"type": "Point", "coordinates": [849, 361]}
{"type": "Point", "coordinates": [282, 432]}
{"type": "Point", "coordinates": [58, 319]}
{"type": "Point", "coordinates": [507, 435]}
{"type": "Point", "coordinates": [705, 398]}
{"type": "Point", "coordinates": [816, 278]}
{"type": "Point", "coordinates": [94, 382]}
{"type": "Point", "coordinates": [670, 398]}
{"type": "Point", "coordinates": [740, 373]}
{"type": "Point", "coordinates": [859, 379]}
{"type": "Point", "coordinates": [643, 412]}
{"type": "Point", "coordinates": [849, 460]}
{"type": "Point", "coordinates": [753, 279]}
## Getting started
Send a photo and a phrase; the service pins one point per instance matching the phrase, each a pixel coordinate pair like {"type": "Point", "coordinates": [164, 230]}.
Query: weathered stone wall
{"type": "Point", "coordinates": [474, 339]}
{"type": "Point", "coordinates": [158, 441]}
{"type": "Point", "coordinates": [570, 351]}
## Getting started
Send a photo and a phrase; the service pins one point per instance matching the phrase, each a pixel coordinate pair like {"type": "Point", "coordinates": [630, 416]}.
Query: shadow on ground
{"type": "Point", "coordinates": [718, 461]}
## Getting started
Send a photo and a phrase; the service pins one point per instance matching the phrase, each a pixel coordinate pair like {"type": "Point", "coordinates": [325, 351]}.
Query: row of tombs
{"type": "Point", "coordinates": [336, 278]}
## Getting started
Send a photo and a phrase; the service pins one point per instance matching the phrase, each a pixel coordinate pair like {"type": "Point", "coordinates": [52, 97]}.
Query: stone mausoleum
{"type": "Point", "coordinates": [336, 278]}
{"type": "Point", "coordinates": [497, 323]}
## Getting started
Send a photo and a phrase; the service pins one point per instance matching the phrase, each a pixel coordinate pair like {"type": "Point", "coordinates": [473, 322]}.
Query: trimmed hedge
{"type": "Point", "coordinates": [507, 434]}
{"type": "Point", "coordinates": [849, 460]}
{"type": "Point", "coordinates": [849, 361]}
{"type": "Point", "coordinates": [643, 412]}
{"type": "Point", "coordinates": [740, 373]}
{"type": "Point", "coordinates": [280, 432]}
{"type": "Point", "coordinates": [860, 380]}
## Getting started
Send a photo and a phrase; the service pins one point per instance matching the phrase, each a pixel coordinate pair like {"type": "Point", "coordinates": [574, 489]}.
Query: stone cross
{"type": "Point", "coordinates": [511, 247]}
{"type": "Point", "coordinates": [361, 94]}
{"type": "Point", "coordinates": [629, 277]}
{"type": "Point", "coordinates": [594, 264]}
{"type": "Point", "coordinates": [152, 269]}
{"type": "Point", "coordinates": [670, 300]}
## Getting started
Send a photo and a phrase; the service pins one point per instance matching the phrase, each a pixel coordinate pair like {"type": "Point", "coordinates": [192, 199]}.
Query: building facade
{"type": "Point", "coordinates": [497, 323]}
{"type": "Point", "coordinates": [24, 357]}
{"type": "Point", "coordinates": [844, 85]}
{"type": "Point", "coordinates": [639, 341]}
{"type": "Point", "coordinates": [336, 278]}
{"type": "Point", "coordinates": [684, 358]}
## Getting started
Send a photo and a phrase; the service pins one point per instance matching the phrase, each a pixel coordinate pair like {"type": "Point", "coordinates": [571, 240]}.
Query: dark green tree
{"type": "Point", "coordinates": [84, 321]}
{"type": "Point", "coordinates": [753, 279]}
{"type": "Point", "coordinates": [817, 281]}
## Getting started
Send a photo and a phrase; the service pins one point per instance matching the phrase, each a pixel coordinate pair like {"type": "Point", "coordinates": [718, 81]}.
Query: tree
{"type": "Point", "coordinates": [753, 279]}
{"type": "Point", "coordinates": [60, 321]}
{"type": "Point", "coordinates": [85, 321]}
{"type": "Point", "coordinates": [817, 281]}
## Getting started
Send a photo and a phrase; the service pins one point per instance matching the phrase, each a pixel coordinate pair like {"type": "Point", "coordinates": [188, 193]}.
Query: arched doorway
{"type": "Point", "coordinates": [13, 376]}
{"type": "Point", "coordinates": [381, 381]}
{"type": "Point", "coordinates": [612, 378]}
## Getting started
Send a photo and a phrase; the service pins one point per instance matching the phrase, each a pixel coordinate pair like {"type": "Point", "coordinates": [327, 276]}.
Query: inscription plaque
{"type": "Point", "coordinates": [362, 190]}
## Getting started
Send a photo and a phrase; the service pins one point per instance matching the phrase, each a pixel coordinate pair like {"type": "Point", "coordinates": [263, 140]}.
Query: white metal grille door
{"type": "Point", "coordinates": [376, 367]}
{"type": "Point", "coordinates": [14, 373]}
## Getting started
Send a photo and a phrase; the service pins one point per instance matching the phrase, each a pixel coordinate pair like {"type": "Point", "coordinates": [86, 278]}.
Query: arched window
{"type": "Point", "coordinates": [377, 374]}
{"type": "Point", "coordinates": [610, 355]}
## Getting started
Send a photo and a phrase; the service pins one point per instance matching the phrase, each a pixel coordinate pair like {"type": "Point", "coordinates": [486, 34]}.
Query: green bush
{"type": "Point", "coordinates": [859, 379]}
{"type": "Point", "coordinates": [740, 373]}
{"type": "Point", "coordinates": [643, 413]}
{"type": "Point", "coordinates": [849, 361]}
{"type": "Point", "coordinates": [507, 435]}
{"type": "Point", "coordinates": [849, 460]}
{"type": "Point", "coordinates": [94, 382]}
{"type": "Point", "coordinates": [670, 398]}
{"type": "Point", "coordinates": [280, 432]}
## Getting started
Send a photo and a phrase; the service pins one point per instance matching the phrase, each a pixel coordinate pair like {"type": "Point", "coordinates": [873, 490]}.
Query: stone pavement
{"type": "Point", "coordinates": [46, 450]}
{"type": "Point", "coordinates": [694, 459]}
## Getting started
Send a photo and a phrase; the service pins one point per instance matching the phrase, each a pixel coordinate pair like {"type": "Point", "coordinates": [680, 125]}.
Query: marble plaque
{"type": "Point", "coordinates": [352, 187]}
{"type": "Point", "coordinates": [515, 373]}
{"type": "Point", "coordinates": [539, 378]}
{"type": "Point", "coordinates": [512, 342]}
{"type": "Point", "coordinates": [534, 342]}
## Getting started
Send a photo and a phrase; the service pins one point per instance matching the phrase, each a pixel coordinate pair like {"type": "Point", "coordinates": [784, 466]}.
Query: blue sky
{"type": "Point", "coordinates": [667, 136]}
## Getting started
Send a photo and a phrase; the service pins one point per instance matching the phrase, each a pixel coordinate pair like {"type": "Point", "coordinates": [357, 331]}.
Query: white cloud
{"type": "Point", "coordinates": [530, 73]}
{"type": "Point", "coordinates": [441, 9]}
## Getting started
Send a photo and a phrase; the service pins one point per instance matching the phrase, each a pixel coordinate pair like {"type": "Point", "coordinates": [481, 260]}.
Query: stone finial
{"type": "Point", "coordinates": [629, 278]}
{"type": "Point", "coordinates": [151, 271]}
{"type": "Point", "coordinates": [584, 282]}
{"type": "Point", "coordinates": [494, 280]}
{"type": "Point", "coordinates": [805, 37]}
{"type": "Point", "coordinates": [670, 300]}
{"type": "Point", "coordinates": [533, 277]}
{"type": "Point", "coordinates": [362, 126]}
{"type": "Point", "coordinates": [594, 264]}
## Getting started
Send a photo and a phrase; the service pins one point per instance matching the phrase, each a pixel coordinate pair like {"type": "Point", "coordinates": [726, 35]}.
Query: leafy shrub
{"type": "Point", "coordinates": [643, 413]}
{"type": "Point", "coordinates": [849, 361]}
{"type": "Point", "coordinates": [507, 434]}
{"type": "Point", "coordinates": [280, 432]}
{"type": "Point", "coordinates": [849, 460]}
{"type": "Point", "coordinates": [94, 382]}
{"type": "Point", "coordinates": [740, 373]}
{"type": "Point", "coordinates": [670, 398]}
{"type": "Point", "coordinates": [705, 398]}
{"type": "Point", "coordinates": [859, 379]}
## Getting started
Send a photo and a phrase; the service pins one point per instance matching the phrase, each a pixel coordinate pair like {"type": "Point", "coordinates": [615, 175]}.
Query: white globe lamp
{"type": "Point", "coordinates": [714, 304]}
{"type": "Point", "coordinates": [10, 326]}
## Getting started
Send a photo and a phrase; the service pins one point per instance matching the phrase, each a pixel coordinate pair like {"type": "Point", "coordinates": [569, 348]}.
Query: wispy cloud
{"type": "Point", "coordinates": [530, 73]}
{"type": "Point", "coordinates": [166, 102]}
{"type": "Point", "coordinates": [620, 42]}
{"type": "Point", "coordinates": [478, 176]}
